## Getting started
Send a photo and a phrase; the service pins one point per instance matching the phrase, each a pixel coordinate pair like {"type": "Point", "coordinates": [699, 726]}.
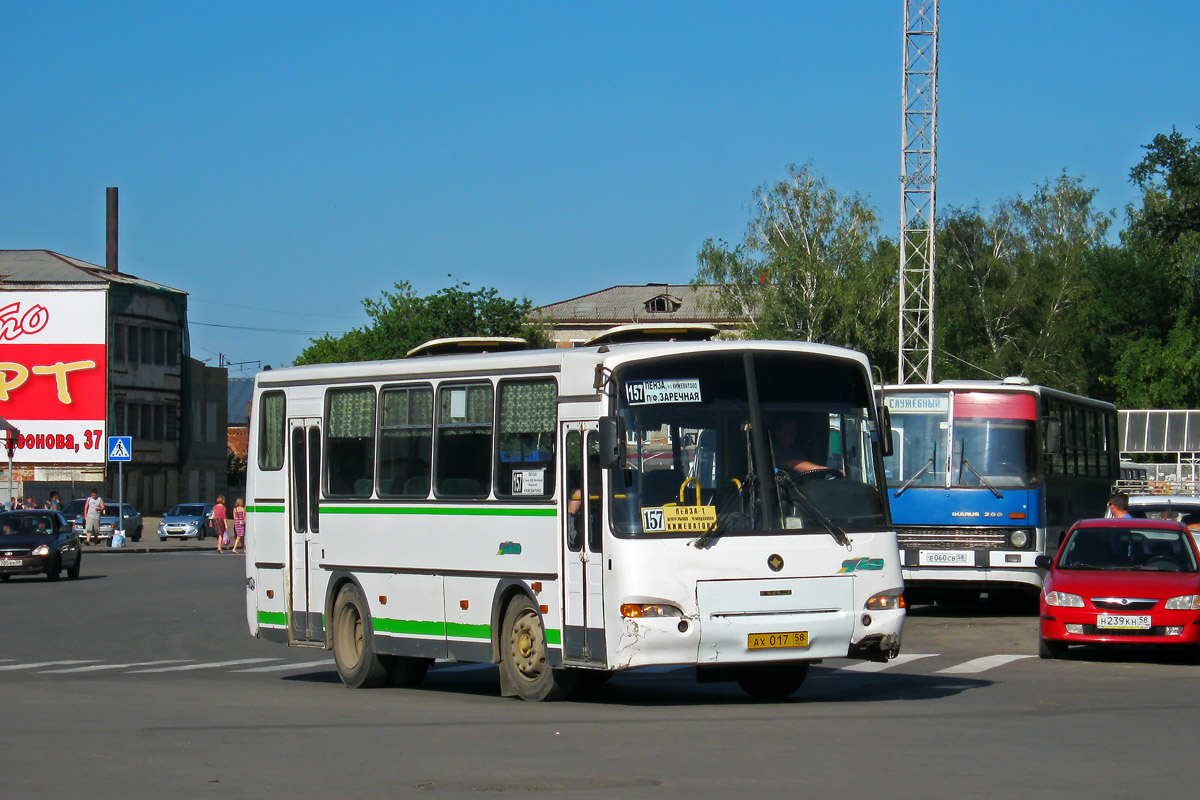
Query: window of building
{"type": "Point", "coordinates": [271, 426]}
{"type": "Point", "coordinates": [350, 442]}
{"type": "Point", "coordinates": [133, 339]}
{"type": "Point", "coordinates": [210, 421]}
{"type": "Point", "coordinates": [160, 422]}
{"type": "Point", "coordinates": [173, 348]}
{"type": "Point", "coordinates": [118, 343]}
{"type": "Point", "coordinates": [528, 413]}
{"type": "Point", "coordinates": [146, 426]}
{"type": "Point", "coordinates": [663, 304]}
{"type": "Point", "coordinates": [405, 441]}
{"type": "Point", "coordinates": [147, 345]}
{"type": "Point", "coordinates": [160, 347]}
{"type": "Point", "coordinates": [464, 440]}
{"type": "Point", "coordinates": [119, 418]}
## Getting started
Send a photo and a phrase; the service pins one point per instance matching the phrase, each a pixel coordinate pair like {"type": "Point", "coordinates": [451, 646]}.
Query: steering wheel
{"type": "Point", "coordinates": [821, 473]}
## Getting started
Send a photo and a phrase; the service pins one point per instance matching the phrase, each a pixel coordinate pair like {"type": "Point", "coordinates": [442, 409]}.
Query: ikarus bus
{"type": "Point", "coordinates": [568, 513]}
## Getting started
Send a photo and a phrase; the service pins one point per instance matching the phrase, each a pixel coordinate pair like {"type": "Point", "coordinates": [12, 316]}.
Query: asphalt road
{"type": "Point", "coordinates": [139, 680]}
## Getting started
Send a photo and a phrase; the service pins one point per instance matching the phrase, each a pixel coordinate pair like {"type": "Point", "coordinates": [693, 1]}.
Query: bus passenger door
{"type": "Point", "coordinates": [583, 546]}
{"type": "Point", "coordinates": [305, 619]}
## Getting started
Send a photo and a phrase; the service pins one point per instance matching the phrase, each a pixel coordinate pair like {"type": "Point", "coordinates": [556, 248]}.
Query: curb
{"type": "Point", "coordinates": [101, 550]}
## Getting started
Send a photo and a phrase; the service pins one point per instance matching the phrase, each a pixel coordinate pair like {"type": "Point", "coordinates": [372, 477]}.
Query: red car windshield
{"type": "Point", "coordinates": [1150, 549]}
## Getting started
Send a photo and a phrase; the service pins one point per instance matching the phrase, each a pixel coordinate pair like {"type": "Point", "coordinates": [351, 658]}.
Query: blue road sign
{"type": "Point", "coordinates": [120, 448]}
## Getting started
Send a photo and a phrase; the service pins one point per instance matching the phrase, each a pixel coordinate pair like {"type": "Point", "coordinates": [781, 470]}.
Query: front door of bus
{"type": "Point", "coordinates": [305, 615]}
{"type": "Point", "coordinates": [583, 546]}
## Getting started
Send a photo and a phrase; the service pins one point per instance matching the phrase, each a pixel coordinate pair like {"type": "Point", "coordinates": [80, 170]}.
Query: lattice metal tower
{"type": "Point", "coordinates": [918, 180]}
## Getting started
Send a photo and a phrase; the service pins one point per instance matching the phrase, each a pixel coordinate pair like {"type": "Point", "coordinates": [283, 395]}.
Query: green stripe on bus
{"type": "Point", "coordinates": [469, 631]}
{"type": "Point", "coordinates": [264, 509]}
{"type": "Point", "coordinates": [441, 511]}
{"type": "Point", "coordinates": [413, 626]}
{"type": "Point", "coordinates": [272, 618]}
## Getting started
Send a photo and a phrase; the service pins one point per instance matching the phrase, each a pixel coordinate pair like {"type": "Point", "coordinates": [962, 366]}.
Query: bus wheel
{"type": "Point", "coordinates": [772, 681]}
{"type": "Point", "coordinates": [405, 672]}
{"type": "Point", "coordinates": [523, 655]}
{"type": "Point", "coordinates": [353, 651]}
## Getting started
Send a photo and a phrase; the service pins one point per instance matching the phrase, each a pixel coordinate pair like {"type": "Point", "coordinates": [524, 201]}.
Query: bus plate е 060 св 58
{"type": "Point", "coordinates": [767, 641]}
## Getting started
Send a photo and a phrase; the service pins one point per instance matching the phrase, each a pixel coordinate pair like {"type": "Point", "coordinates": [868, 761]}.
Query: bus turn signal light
{"type": "Point", "coordinates": [635, 610]}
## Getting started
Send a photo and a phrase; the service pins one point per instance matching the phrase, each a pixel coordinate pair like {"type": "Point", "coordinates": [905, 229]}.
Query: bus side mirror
{"type": "Point", "coordinates": [612, 442]}
{"type": "Point", "coordinates": [885, 432]}
{"type": "Point", "coordinates": [1053, 436]}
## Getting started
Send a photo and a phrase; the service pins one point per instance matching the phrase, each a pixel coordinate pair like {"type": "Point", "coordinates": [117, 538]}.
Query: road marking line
{"type": "Point", "coordinates": [285, 667]}
{"type": "Point", "coordinates": [981, 664]}
{"type": "Point", "coordinates": [212, 665]}
{"type": "Point", "coordinates": [877, 666]}
{"type": "Point", "coordinates": [96, 667]}
{"type": "Point", "coordinates": [49, 663]}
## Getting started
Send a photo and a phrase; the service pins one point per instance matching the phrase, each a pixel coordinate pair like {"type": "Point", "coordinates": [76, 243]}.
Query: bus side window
{"type": "Point", "coordinates": [272, 424]}
{"type": "Point", "coordinates": [573, 491]}
{"type": "Point", "coordinates": [526, 420]}
{"type": "Point", "coordinates": [350, 442]}
{"type": "Point", "coordinates": [463, 459]}
{"type": "Point", "coordinates": [595, 504]}
{"type": "Point", "coordinates": [405, 441]}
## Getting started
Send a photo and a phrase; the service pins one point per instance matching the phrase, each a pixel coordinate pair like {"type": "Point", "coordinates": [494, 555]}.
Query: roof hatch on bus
{"type": "Point", "coordinates": [458, 345]}
{"type": "Point", "coordinates": [655, 332]}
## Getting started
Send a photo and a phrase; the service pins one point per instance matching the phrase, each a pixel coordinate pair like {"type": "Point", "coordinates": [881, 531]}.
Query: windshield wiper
{"type": "Point", "coordinates": [726, 516]}
{"type": "Point", "coordinates": [962, 462]}
{"type": "Point", "coordinates": [914, 477]}
{"type": "Point", "coordinates": [797, 495]}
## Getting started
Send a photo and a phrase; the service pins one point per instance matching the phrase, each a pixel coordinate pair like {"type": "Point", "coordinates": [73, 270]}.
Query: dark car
{"type": "Point", "coordinates": [1121, 581]}
{"type": "Point", "coordinates": [38, 542]}
{"type": "Point", "coordinates": [73, 511]}
{"type": "Point", "coordinates": [186, 521]}
{"type": "Point", "coordinates": [130, 521]}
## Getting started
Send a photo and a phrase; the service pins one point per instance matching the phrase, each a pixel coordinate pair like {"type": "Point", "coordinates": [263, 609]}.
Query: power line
{"type": "Point", "coordinates": [267, 330]}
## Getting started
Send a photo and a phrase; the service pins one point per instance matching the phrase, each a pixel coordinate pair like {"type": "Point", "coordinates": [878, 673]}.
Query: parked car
{"type": "Point", "coordinates": [1121, 581]}
{"type": "Point", "coordinates": [73, 511]}
{"type": "Point", "coordinates": [108, 520]}
{"type": "Point", "coordinates": [36, 542]}
{"type": "Point", "coordinates": [186, 521]}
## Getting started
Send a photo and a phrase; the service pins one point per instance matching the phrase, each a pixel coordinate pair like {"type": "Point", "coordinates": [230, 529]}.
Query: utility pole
{"type": "Point", "coordinates": [918, 181]}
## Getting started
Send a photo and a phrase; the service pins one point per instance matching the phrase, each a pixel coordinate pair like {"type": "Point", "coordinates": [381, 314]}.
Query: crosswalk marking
{"type": "Point", "coordinates": [37, 664]}
{"type": "Point", "coordinates": [981, 664]}
{"type": "Point", "coordinates": [285, 667]}
{"type": "Point", "coordinates": [212, 665]}
{"type": "Point", "coordinates": [97, 667]}
{"type": "Point", "coordinates": [877, 666]}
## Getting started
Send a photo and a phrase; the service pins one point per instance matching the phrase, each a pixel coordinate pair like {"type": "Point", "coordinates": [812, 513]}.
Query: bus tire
{"type": "Point", "coordinates": [523, 657]}
{"type": "Point", "coordinates": [772, 681]}
{"type": "Point", "coordinates": [406, 672]}
{"type": "Point", "coordinates": [359, 666]}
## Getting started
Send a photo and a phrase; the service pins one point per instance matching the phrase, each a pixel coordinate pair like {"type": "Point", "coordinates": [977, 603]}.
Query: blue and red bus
{"type": "Point", "coordinates": [985, 476]}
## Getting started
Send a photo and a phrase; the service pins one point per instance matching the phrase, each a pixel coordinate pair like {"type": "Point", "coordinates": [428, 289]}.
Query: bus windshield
{"type": "Point", "coordinates": [696, 462]}
{"type": "Point", "coordinates": [931, 449]}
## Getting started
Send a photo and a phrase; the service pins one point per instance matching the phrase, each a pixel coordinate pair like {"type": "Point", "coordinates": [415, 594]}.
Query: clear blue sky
{"type": "Point", "coordinates": [281, 161]}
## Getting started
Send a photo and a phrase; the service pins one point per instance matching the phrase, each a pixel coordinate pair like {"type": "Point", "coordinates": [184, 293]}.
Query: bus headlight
{"type": "Point", "coordinates": [887, 601]}
{"type": "Point", "coordinates": [1018, 538]}
{"type": "Point", "coordinates": [638, 610]}
{"type": "Point", "coordinates": [1064, 600]}
{"type": "Point", "coordinates": [1186, 602]}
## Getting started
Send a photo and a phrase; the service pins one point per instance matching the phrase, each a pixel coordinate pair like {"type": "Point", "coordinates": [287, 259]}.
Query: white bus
{"type": "Point", "coordinates": [569, 513]}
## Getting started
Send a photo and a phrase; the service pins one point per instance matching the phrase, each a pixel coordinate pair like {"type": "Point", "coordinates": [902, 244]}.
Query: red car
{"type": "Point", "coordinates": [1121, 581]}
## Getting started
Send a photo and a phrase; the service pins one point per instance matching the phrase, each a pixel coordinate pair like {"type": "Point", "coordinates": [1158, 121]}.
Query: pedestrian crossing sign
{"type": "Point", "coordinates": [120, 448]}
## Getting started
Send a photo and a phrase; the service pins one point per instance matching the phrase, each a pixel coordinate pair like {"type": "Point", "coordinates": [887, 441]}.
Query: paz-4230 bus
{"type": "Point", "coordinates": [567, 513]}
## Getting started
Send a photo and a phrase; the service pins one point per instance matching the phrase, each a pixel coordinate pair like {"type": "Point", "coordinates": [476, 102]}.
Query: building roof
{"type": "Point", "coordinates": [26, 268]}
{"type": "Point", "coordinates": [653, 302]}
{"type": "Point", "coordinates": [241, 390]}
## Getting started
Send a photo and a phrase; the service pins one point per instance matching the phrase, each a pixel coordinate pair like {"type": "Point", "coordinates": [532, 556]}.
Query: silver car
{"type": "Point", "coordinates": [186, 521]}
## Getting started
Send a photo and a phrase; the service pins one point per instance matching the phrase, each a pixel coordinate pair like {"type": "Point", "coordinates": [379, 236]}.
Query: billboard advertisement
{"type": "Point", "coordinates": [53, 375]}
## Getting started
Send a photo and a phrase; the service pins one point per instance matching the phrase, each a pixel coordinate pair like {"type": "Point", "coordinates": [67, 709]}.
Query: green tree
{"type": "Point", "coordinates": [401, 320]}
{"type": "Point", "coordinates": [1147, 308]}
{"type": "Point", "coordinates": [810, 266]}
{"type": "Point", "coordinates": [1014, 285]}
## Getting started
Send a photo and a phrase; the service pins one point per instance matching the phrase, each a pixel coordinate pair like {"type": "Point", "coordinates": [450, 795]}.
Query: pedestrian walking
{"type": "Point", "coordinates": [239, 524]}
{"type": "Point", "coordinates": [219, 515]}
{"type": "Point", "coordinates": [54, 503]}
{"type": "Point", "coordinates": [93, 507]}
